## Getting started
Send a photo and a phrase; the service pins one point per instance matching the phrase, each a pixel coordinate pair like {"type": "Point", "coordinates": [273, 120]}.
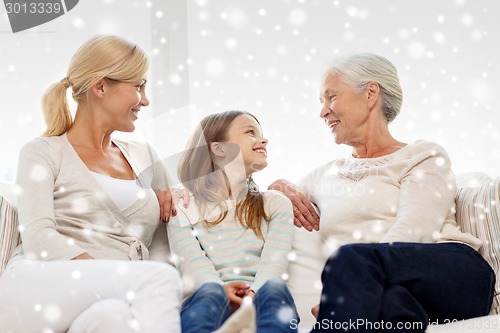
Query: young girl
{"type": "Point", "coordinates": [233, 241]}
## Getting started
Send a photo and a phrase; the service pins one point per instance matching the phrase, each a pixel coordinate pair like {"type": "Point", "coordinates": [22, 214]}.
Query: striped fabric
{"type": "Point", "coordinates": [478, 212]}
{"type": "Point", "coordinates": [9, 234]}
{"type": "Point", "coordinates": [228, 251]}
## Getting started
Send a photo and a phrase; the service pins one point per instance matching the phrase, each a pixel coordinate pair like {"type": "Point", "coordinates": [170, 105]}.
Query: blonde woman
{"type": "Point", "coordinates": [87, 214]}
{"type": "Point", "coordinates": [233, 240]}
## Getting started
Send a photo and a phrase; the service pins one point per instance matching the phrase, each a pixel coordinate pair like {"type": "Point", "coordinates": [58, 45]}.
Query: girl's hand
{"type": "Point", "coordinates": [169, 199]}
{"type": "Point", "coordinates": [303, 211]}
{"type": "Point", "coordinates": [235, 291]}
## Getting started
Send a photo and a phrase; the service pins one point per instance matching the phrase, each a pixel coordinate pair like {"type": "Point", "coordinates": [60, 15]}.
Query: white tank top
{"type": "Point", "coordinates": [123, 192]}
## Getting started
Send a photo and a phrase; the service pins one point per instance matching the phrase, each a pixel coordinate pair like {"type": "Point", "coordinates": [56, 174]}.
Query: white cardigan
{"type": "Point", "coordinates": [64, 211]}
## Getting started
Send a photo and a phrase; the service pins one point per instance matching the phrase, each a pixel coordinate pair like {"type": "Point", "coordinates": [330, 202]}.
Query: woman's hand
{"type": "Point", "coordinates": [169, 199]}
{"type": "Point", "coordinates": [236, 291]}
{"type": "Point", "coordinates": [315, 311]}
{"type": "Point", "coordinates": [303, 211]}
{"type": "Point", "coordinates": [83, 256]}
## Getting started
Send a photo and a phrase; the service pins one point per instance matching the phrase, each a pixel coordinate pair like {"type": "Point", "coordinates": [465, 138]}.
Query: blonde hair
{"type": "Point", "coordinates": [204, 179]}
{"type": "Point", "coordinates": [103, 56]}
{"type": "Point", "coordinates": [359, 69]}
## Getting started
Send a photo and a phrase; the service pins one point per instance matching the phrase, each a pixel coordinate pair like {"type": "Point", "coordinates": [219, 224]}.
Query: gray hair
{"type": "Point", "coordinates": [358, 70]}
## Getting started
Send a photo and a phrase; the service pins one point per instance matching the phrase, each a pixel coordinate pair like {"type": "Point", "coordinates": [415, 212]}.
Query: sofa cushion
{"type": "Point", "coordinates": [478, 213]}
{"type": "Point", "coordinates": [9, 234]}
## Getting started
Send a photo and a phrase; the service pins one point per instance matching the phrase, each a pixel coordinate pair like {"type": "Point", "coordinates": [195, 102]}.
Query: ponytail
{"type": "Point", "coordinates": [56, 109]}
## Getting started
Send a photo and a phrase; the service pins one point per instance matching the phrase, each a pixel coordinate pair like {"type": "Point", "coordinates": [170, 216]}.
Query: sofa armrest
{"type": "Point", "coordinates": [10, 237]}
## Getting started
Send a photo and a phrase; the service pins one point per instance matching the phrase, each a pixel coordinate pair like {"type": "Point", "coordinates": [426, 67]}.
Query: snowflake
{"type": "Point", "coordinates": [297, 17]}
{"type": "Point", "coordinates": [130, 296]}
{"type": "Point", "coordinates": [467, 20]}
{"type": "Point", "coordinates": [78, 22]}
{"type": "Point", "coordinates": [235, 17]}
{"type": "Point", "coordinates": [285, 314]}
{"type": "Point", "coordinates": [416, 50]}
{"type": "Point", "coordinates": [38, 173]}
{"type": "Point", "coordinates": [175, 79]}
{"type": "Point", "coordinates": [76, 274]}
{"type": "Point", "coordinates": [215, 67]}
{"type": "Point", "coordinates": [52, 313]}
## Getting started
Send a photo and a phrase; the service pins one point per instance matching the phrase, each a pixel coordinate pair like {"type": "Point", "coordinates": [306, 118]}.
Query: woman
{"type": "Point", "coordinates": [233, 241]}
{"type": "Point", "coordinates": [397, 198]}
{"type": "Point", "coordinates": [87, 212]}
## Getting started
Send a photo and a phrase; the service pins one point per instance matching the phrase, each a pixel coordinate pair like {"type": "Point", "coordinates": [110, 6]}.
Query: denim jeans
{"type": "Point", "coordinates": [205, 310]}
{"type": "Point", "coordinates": [208, 308]}
{"type": "Point", "coordinates": [402, 287]}
{"type": "Point", "coordinates": [275, 308]}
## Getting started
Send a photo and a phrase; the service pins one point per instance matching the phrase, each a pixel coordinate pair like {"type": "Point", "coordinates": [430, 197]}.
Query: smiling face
{"type": "Point", "coordinates": [344, 109]}
{"type": "Point", "coordinates": [124, 102]}
{"type": "Point", "coordinates": [246, 133]}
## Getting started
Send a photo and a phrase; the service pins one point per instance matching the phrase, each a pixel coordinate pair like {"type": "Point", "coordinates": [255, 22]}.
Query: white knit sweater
{"type": "Point", "coordinates": [64, 211]}
{"type": "Point", "coordinates": [406, 196]}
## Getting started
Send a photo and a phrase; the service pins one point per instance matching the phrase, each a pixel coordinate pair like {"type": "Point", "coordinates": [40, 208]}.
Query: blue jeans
{"type": "Point", "coordinates": [275, 308]}
{"type": "Point", "coordinates": [208, 308]}
{"type": "Point", "coordinates": [205, 310]}
{"type": "Point", "coordinates": [402, 287]}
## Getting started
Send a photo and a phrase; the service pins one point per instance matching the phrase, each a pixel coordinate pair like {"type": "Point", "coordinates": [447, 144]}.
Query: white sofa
{"type": "Point", "coordinates": [478, 212]}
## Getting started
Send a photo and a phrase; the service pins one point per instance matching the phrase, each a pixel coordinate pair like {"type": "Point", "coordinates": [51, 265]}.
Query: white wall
{"type": "Point", "coordinates": [266, 57]}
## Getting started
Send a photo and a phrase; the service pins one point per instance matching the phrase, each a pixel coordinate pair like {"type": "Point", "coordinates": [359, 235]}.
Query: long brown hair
{"type": "Point", "coordinates": [204, 179]}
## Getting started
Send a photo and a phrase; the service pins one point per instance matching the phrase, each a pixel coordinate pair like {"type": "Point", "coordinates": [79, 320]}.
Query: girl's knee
{"type": "Point", "coordinates": [275, 284]}
{"type": "Point", "coordinates": [275, 287]}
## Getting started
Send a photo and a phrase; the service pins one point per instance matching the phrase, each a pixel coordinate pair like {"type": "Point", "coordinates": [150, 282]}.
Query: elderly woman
{"type": "Point", "coordinates": [398, 257]}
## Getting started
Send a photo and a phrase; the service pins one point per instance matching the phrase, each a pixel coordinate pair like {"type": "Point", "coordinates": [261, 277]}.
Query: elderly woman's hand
{"type": "Point", "coordinates": [169, 199]}
{"type": "Point", "coordinates": [303, 210]}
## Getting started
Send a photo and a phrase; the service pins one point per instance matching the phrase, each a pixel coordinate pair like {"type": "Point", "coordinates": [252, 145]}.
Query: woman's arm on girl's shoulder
{"type": "Point", "coordinates": [278, 240]}
{"type": "Point", "coordinates": [167, 192]}
{"type": "Point", "coordinates": [306, 215]}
